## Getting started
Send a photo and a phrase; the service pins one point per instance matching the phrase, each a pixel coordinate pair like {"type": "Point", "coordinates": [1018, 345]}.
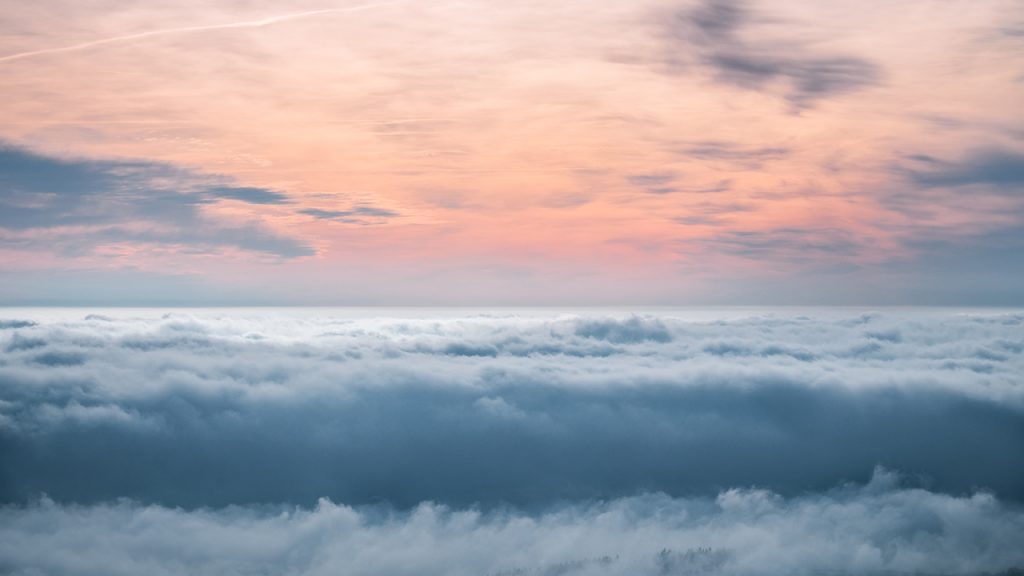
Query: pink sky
{"type": "Point", "coordinates": [516, 152]}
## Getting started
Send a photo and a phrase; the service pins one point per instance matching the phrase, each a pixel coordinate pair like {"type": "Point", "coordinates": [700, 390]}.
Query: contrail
{"type": "Point", "coordinates": [246, 24]}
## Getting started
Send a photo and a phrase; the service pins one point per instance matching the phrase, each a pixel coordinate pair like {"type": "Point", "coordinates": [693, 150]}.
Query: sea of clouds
{"type": "Point", "coordinates": [517, 442]}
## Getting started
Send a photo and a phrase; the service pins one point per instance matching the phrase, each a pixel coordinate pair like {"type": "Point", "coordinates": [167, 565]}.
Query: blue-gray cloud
{"type": "Point", "coordinates": [9, 324]}
{"type": "Point", "coordinates": [717, 31]}
{"type": "Point", "coordinates": [353, 215]}
{"type": "Point", "coordinates": [1002, 169]}
{"type": "Point", "coordinates": [248, 194]}
{"type": "Point", "coordinates": [40, 192]}
{"type": "Point", "coordinates": [219, 410]}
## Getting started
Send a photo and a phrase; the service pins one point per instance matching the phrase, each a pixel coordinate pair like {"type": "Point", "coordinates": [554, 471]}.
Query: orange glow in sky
{"type": "Point", "coordinates": [473, 151]}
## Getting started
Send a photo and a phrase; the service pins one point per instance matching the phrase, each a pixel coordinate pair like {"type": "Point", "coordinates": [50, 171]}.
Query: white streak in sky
{"type": "Point", "coordinates": [230, 25]}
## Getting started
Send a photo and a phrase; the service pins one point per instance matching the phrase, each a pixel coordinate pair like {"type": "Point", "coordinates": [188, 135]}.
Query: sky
{"type": "Point", "coordinates": [212, 152]}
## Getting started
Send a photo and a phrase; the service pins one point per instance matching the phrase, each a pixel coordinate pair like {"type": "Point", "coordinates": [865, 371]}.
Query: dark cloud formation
{"type": "Point", "coordinates": [880, 528]}
{"type": "Point", "coordinates": [216, 410]}
{"type": "Point", "coordinates": [1000, 168]}
{"type": "Point", "coordinates": [127, 201]}
{"type": "Point", "coordinates": [719, 31]}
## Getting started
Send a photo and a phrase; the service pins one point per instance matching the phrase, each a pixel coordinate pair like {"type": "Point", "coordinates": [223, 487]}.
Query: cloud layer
{"type": "Point", "coordinates": [874, 529]}
{"type": "Point", "coordinates": [215, 409]}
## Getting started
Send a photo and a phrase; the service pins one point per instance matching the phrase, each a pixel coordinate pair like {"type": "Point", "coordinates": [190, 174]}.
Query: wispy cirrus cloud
{"type": "Point", "coordinates": [259, 23]}
{"type": "Point", "coordinates": [745, 157]}
{"type": "Point", "coordinates": [353, 215]}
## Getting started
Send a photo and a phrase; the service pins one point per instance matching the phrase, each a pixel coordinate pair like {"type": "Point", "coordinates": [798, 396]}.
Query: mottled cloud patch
{"type": "Point", "coordinates": [721, 34]}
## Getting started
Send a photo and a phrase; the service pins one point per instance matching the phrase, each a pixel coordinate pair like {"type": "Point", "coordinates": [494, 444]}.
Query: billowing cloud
{"type": "Point", "coordinates": [879, 528]}
{"type": "Point", "coordinates": [215, 410]}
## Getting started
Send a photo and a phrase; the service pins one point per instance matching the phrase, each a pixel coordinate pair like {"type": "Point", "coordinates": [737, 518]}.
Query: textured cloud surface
{"type": "Point", "coordinates": [218, 409]}
{"type": "Point", "coordinates": [878, 528]}
{"type": "Point", "coordinates": [525, 442]}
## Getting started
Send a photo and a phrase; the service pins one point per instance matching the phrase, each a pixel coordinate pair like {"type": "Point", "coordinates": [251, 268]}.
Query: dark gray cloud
{"type": "Point", "coordinates": [126, 201]}
{"type": "Point", "coordinates": [1000, 168]}
{"type": "Point", "coordinates": [354, 215]}
{"type": "Point", "coordinates": [215, 410]}
{"type": "Point", "coordinates": [719, 32]}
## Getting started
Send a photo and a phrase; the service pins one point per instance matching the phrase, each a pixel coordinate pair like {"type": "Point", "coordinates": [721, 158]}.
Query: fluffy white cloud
{"type": "Point", "coordinates": [525, 408]}
{"type": "Point", "coordinates": [876, 528]}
